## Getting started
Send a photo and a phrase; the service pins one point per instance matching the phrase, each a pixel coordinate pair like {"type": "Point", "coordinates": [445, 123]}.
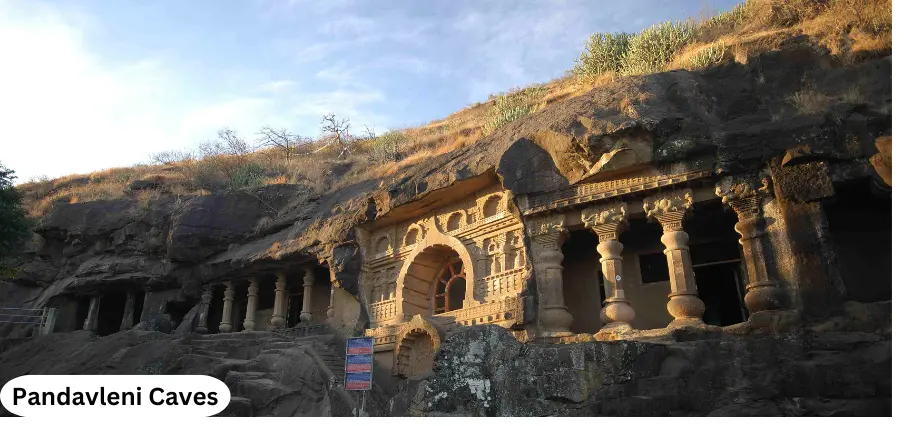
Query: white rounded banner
{"type": "Point", "coordinates": [115, 396]}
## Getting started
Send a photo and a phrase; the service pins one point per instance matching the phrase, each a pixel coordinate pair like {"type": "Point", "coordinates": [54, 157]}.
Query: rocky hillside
{"type": "Point", "coordinates": [729, 117]}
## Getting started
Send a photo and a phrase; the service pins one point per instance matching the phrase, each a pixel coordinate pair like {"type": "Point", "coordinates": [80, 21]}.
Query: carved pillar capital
{"type": "Point", "coordinates": [608, 221]}
{"type": "Point", "coordinates": [669, 208]}
{"type": "Point", "coordinates": [547, 229]}
{"type": "Point", "coordinates": [744, 194]}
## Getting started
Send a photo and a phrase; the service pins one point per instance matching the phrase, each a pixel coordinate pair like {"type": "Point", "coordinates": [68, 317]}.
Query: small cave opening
{"type": "Point", "coordinates": [177, 311]}
{"type": "Point", "coordinates": [860, 224]}
{"type": "Point", "coordinates": [110, 313]}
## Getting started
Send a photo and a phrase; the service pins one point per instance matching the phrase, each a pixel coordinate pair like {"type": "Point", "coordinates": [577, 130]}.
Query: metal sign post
{"type": "Point", "coordinates": [359, 366]}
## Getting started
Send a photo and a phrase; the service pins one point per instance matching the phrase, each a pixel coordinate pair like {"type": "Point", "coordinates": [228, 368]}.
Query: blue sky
{"type": "Point", "coordinates": [91, 84]}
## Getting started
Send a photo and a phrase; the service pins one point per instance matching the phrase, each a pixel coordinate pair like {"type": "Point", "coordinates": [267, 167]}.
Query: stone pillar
{"type": "Point", "coordinates": [547, 235]}
{"type": "Point", "coordinates": [93, 310]}
{"type": "Point", "coordinates": [206, 297]}
{"type": "Point", "coordinates": [608, 221]}
{"type": "Point", "coordinates": [278, 319]}
{"type": "Point", "coordinates": [128, 313]}
{"type": "Point", "coordinates": [746, 198]}
{"type": "Point", "coordinates": [253, 288]}
{"type": "Point", "coordinates": [228, 299]}
{"type": "Point", "coordinates": [331, 310]}
{"type": "Point", "coordinates": [305, 316]}
{"type": "Point", "coordinates": [670, 209]}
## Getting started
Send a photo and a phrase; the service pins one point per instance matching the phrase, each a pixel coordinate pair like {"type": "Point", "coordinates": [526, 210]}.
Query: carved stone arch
{"type": "Point", "coordinates": [456, 220]}
{"type": "Point", "coordinates": [492, 205]}
{"type": "Point", "coordinates": [420, 269]}
{"type": "Point", "coordinates": [382, 245]}
{"type": "Point", "coordinates": [413, 234]}
{"type": "Point", "coordinates": [417, 343]}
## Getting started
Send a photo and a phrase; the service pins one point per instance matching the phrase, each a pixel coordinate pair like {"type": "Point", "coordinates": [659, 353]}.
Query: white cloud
{"type": "Point", "coordinates": [64, 110]}
{"type": "Point", "coordinates": [279, 86]}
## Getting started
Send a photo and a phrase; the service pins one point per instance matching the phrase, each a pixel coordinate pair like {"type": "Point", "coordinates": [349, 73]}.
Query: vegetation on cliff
{"type": "Point", "coordinates": [15, 227]}
{"type": "Point", "coordinates": [852, 31]}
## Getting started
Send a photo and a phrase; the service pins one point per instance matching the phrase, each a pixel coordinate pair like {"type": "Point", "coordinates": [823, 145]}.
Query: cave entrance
{"type": "Point", "coordinates": [716, 257]}
{"type": "Point", "coordinates": [582, 281]}
{"type": "Point", "coordinates": [177, 311]}
{"type": "Point", "coordinates": [110, 313]}
{"type": "Point", "coordinates": [860, 221]}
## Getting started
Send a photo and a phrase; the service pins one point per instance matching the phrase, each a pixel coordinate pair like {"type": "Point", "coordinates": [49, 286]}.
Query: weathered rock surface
{"type": "Point", "coordinates": [483, 370]}
{"type": "Point", "coordinates": [728, 118]}
{"type": "Point", "coordinates": [267, 374]}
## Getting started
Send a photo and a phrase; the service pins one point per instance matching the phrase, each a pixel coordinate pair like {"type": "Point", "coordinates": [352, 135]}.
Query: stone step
{"type": "Point", "coordinates": [238, 407]}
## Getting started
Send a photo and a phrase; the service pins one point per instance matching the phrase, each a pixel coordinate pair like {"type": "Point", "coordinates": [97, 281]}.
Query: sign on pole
{"type": "Point", "coordinates": [359, 363]}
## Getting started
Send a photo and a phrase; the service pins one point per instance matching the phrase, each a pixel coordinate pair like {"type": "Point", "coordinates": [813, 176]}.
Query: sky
{"type": "Point", "coordinates": [90, 84]}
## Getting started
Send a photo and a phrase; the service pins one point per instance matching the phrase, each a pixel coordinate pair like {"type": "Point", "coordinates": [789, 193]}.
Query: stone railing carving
{"type": "Point", "coordinates": [383, 311]}
{"type": "Point", "coordinates": [507, 310]}
{"type": "Point", "coordinates": [500, 285]}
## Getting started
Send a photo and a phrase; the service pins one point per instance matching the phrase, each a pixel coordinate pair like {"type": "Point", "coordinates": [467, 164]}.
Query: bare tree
{"type": "Point", "coordinates": [281, 139]}
{"type": "Point", "coordinates": [182, 161]}
{"type": "Point", "coordinates": [337, 129]}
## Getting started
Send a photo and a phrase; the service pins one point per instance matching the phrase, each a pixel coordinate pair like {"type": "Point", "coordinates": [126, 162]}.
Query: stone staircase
{"type": "Point", "coordinates": [273, 374]}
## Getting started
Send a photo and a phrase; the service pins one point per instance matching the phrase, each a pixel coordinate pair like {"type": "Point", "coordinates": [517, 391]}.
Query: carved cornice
{"type": "Point", "coordinates": [607, 220]}
{"type": "Point", "coordinates": [585, 193]}
{"type": "Point", "coordinates": [552, 224]}
{"type": "Point", "coordinates": [669, 208]}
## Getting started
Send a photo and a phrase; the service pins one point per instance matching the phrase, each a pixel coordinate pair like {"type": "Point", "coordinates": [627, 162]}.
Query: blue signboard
{"type": "Point", "coordinates": [359, 363]}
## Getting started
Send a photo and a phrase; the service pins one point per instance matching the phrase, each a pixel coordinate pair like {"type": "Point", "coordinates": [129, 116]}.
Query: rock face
{"type": "Point", "coordinates": [267, 374]}
{"type": "Point", "coordinates": [484, 371]}
{"type": "Point", "coordinates": [729, 118]}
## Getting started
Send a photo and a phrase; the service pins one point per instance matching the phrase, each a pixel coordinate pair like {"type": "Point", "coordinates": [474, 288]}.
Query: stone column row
{"type": "Point", "coordinates": [280, 304]}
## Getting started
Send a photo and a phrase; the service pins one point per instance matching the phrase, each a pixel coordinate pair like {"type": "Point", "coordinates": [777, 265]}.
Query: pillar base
{"type": "Point", "coordinates": [225, 327]}
{"type": "Point", "coordinates": [687, 323]}
{"type": "Point", "coordinates": [685, 306]}
{"type": "Point", "coordinates": [201, 330]}
{"type": "Point", "coordinates": [555, 320]}
{"type": "Point", "coordinates": [304, 319]}
{"type": "Point", "coordinates": [249, 325]}
{"type": "Point", "coordinates": [617, 313]}
{"type": "Point", "coordinates": [766, 296]}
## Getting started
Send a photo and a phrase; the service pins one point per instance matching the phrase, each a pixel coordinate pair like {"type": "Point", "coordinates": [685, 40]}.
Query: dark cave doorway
{"type": "Point", "coordinates": [110, 313]}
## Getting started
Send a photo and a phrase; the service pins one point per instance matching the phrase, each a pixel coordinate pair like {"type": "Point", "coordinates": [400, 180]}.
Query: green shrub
{"type": "Point", "coordinates": [250, 175]}
{"type": "Point", "coordinates": [653, 48]}
{"type": "Point", "coordinates": [723, 23]}
{"type": "Point", "coordinates": [505, 109]}
{"type": "Point", "coordinates": [387, 147]}
{"type": "Point", "coordinates": [602, 53]}
{"type": "Point", "coordinates": [708, 56]}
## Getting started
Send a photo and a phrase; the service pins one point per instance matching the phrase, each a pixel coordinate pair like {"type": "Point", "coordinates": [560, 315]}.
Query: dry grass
{"type": "Point", "coordinates": [853, 30]}
{"type": "Point", "coordinates": [809, 101]}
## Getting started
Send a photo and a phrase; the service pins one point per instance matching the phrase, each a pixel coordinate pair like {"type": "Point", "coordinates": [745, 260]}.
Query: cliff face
{"type": "Point", "coordinates": [483, 371]}
{"type": "Point", "coordinates": [727, 119]}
